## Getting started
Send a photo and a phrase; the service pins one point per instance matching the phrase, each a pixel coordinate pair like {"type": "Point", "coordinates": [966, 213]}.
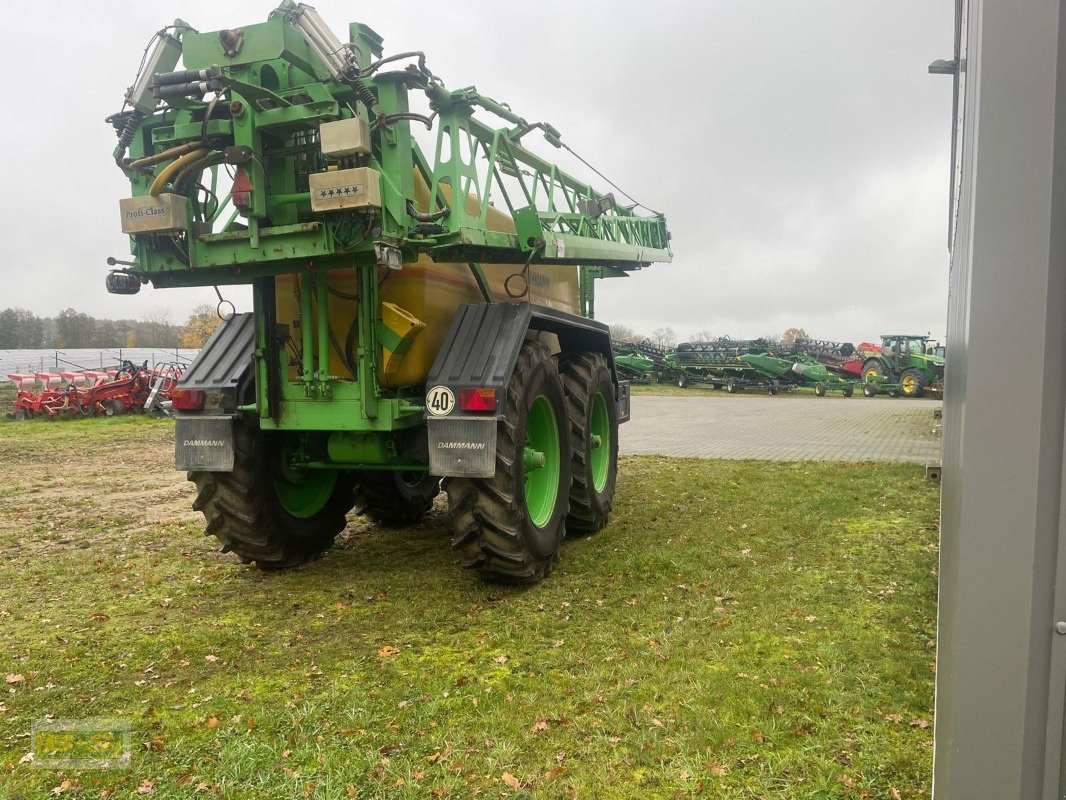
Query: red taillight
{"type": "Point", "coordinates": [187, 399]}
{"type": "Point", "coordinates": [481, 399]}
{"type": "Point", "coordinates": [242, 189]}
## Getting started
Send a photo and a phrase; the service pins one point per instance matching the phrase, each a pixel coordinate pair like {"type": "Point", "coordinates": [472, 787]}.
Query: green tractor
{"type": "Point", "coordinates": [903, 367]}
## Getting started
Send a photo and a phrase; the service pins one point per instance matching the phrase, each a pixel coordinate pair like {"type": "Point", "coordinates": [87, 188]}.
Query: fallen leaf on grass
{"type": "Point", "coordinates": [351, 791]}
{"type": "Point", "coordinates": [156, 744]}
{"type": "Point", "coordinates": [540, 725]}
{"type": "Point", "coordinates": [439, 755]}
{"type": "Point", "coordinates": [388, 651]}
{"type": "Point", "coordinates": [501, 659]}
{"type": "Point", "coordinates": [718, 769]}
{"type": "Point", "coordinates": [15, 678]}
{"type": "Point", "coordinates": [146, 787]}
{"type": "Point", "coordinates": [511, 780]}
{"type": "Point", "coordinates": [895, 794]}
{"type": "Point", "coordinates": [211, 722]}
{"type": "Point", "coordinates": [919, 723]}
{"type": "Point", "coordinates": [555, 772]}
{"type": "Point", "coordinates": [894, 718]}
{"type": "Point", "coordinates": [67, 785]}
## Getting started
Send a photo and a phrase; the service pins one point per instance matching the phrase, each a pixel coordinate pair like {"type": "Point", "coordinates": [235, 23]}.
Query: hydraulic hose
{"type": "Point", "coordinates": [209, 160]}
{"type": "Point", "coordinates": [126, 137]}
{"type": "Point", "coordinates": [173, 152]}
{"type": "Point", "coordinates": [173, 168]}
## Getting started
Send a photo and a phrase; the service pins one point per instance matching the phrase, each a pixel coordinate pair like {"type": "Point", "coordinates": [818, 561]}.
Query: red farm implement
{"type": "Point", "coordinates": [94, 392]}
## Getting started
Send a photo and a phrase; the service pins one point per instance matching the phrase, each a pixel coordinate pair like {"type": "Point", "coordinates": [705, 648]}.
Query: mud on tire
{"type": "Point", "coordinates": [491, 525]}
{"type": "Point", "coordinates": [244, 513]}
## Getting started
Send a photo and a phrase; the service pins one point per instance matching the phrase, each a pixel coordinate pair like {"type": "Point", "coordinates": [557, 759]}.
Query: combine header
{"type": "Point", "coordinates": [755, 364]}
{"type": "Point", "coordinates": [639, 362]}
{"type": "Point", "coordinates": [717, 363]}
{"type": "Point", "coordinates": [418, 313]}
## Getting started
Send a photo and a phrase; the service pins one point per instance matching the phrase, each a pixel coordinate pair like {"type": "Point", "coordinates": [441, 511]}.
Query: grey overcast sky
{"type": "Point", "coordinates": [798, 147]}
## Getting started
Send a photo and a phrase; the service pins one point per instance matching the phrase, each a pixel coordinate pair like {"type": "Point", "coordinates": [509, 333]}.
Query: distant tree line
{"type": "Point", "coordinates": [21, 329]}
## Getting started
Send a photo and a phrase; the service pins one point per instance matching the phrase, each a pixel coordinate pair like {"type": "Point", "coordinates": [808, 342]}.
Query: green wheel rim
{"type": "Point", "coordinates": [541, 482]}
{"type": "Point", "coordinates": [307, 496]}
{"type": "Point", "coordinates": [600, 428]}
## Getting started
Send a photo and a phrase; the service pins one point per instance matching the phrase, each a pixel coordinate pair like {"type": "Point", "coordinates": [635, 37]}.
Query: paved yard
{"type": "Point", "coordinates": [782, 428]}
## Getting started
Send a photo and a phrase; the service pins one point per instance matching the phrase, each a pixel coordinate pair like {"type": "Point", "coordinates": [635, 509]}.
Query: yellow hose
{"type": "Point", "coordinates": [173, 152]}
{"type": "Point", "coordinates": [173, 167]}
{"type": "Point", "coordinates": [198, 165]}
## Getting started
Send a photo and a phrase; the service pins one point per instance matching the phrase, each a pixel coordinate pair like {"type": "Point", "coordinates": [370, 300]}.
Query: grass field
{"type": "Point", "coordinates": [740, 630]}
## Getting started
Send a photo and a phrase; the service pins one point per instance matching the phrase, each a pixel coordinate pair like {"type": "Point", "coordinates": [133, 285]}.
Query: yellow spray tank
{"type": "Point", "coordinates": [419, 301]}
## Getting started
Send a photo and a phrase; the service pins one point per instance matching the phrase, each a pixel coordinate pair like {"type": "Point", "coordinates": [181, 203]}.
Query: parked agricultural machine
{"type": "Point", "coordinates": [717, 363]}
{"type": "Point", "coordinates": [789, 371]}
{"type": "Point", "coordinates": [418, 314]}
{"type": "Point", "coordinates": [903, 366]}
{"type": "Point", "coordinates": [129, 388]}
{"type": "Point", "coordinates": [638, 362]}
{"type": "Point", "coordinates": [736, 365]}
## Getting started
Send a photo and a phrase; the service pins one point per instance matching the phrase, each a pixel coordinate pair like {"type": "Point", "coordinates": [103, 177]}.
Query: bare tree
{"type": "Point", "coordinates": [703, 336]}
{"type": "Point", "coordinates": [623, 333]}
{"type": "Point", "coordinates": [160, 327]}
{"type": "Point", "coordinates": [664, 338]}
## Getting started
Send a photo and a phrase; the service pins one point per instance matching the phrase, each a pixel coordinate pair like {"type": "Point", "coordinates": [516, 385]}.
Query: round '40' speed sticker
{"type": "Point", "coordinates": [440, 401]}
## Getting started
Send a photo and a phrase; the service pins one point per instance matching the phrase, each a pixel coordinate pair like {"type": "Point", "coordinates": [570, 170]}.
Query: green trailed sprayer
{"type": "Point", "coordinates": [423, 294]}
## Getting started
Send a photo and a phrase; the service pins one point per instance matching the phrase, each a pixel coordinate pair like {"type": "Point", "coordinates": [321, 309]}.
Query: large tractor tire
{"type": "Point", "coordinates": [593, 441]}
{"type": "Point", "coordinates": [873, 371]}
{"type": "Point", "coordinates": [912, 383]}
{"type": "Point", "coordinates": [509, 527]}
{"type": "Point", "coordinates": [395, 499]}
{"type": "Point", "coordinates": [266, 513]}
